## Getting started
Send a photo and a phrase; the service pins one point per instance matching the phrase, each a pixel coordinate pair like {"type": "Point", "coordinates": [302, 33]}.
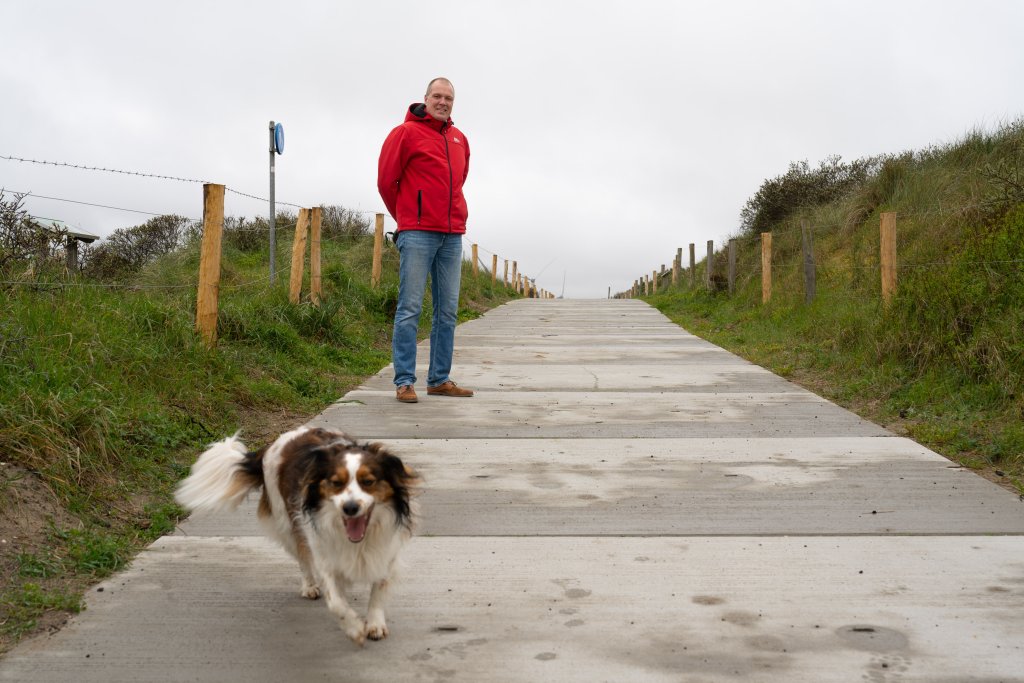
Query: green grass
{"type": "Point", "coordinates": [23, 606]}
{"type": "Point", "coordinates": [943, 363]}
{"type": "Point", "coordinates": [80, 551]}
{"type": "Point", "coordinates": [107, 394]}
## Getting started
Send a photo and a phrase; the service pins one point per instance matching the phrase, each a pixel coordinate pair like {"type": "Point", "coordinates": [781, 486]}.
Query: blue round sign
{"type": "Point", "coordinates": [279, 138]}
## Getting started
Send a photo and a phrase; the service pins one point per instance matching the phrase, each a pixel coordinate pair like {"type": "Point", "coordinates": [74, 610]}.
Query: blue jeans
{"type": "Point", "coordinates": [438, 254]}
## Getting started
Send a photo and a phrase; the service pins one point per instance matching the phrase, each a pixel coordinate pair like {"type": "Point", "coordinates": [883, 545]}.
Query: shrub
{"type": "Point", "coordinates": [127, 250]}
{"type": "Point", "coordinates": [801, 187]}
{"type": "Point", "coordinates": [23, 243]}
{"type": "Point", "coordinates": [337, 221]}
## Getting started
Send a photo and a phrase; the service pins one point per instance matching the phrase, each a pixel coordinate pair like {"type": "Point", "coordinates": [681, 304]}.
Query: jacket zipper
{"type": "Point", "coordinates": [451, 181]}
{"type": "Point", "coordinates": [419, 206]}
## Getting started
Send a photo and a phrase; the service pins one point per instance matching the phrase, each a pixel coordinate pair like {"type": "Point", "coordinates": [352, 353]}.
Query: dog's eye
{"type": "Point", "coordinates": [337, 484]}
{"type": "Point", "coordinates": [367, 482]}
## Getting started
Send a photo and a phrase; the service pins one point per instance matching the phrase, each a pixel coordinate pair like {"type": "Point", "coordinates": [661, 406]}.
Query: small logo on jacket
{"type": "Point", "coordinates": [455, 139]}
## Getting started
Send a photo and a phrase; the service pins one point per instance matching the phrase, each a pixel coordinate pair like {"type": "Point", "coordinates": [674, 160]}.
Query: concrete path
{"type": "Point", "coordinates": [621, 501]}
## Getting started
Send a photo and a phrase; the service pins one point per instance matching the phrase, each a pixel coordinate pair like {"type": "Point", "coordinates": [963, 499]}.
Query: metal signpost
{"type": "Point", "coordinates": [276, 146]}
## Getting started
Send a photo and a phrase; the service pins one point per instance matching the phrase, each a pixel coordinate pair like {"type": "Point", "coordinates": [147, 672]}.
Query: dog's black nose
{"type": "Point", "coordinates": [350, 508]}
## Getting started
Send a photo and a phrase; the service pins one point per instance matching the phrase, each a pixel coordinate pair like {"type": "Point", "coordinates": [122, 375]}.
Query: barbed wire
{"type": "Point", "coordinates": [937, 264]}
{"type": "Point", "coordinates": [262, 199]}
{"type": "Point", "coordinates": [76, 201]}
{"type": "Point", "coordinates": [178, 179]}
{"type": "Point", "coordinates": [94, 285]}
{"type": "Point", "coordinates": [101, 169]}
{"type": "Point", "coordinates": [140, 174]}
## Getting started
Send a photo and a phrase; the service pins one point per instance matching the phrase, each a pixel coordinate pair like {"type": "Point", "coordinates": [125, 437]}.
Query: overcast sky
{"type": "Point", "coordinates": [604, 134]}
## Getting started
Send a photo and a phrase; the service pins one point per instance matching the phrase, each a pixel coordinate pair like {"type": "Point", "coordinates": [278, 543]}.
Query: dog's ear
{"type": "Point", "coordinates": [313, 464]}
{"type": "Point", "coordinates": [402, 479]}
{"type": "Point", "coordinates": [395, 470]}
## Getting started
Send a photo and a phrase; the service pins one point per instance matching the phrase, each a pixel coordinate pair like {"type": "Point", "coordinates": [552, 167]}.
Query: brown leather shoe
{"type": "Point", "coordinates": [406, 394]}
{"type": "Point", "coordinates": [449, 388]}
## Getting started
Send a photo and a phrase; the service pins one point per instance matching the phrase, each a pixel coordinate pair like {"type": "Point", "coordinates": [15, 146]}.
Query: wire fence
{"type": "Point", "coordinates": [356, 229]}
{"type": "Point", "coordinates": [140, 174]}
{"type": "Point", "coordinates": [857, 271]}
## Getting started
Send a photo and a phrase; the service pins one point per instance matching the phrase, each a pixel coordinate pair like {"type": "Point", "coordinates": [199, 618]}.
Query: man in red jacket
{"type": "Point", "coordinates": [422, 167]}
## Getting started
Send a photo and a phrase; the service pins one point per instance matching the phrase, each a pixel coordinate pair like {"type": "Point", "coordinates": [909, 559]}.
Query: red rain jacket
{"type": "Point", "coordinates": [422, 167]}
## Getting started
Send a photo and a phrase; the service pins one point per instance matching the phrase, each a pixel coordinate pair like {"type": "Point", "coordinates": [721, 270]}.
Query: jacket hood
{"type": "Point", "coordinates": [418, 112]}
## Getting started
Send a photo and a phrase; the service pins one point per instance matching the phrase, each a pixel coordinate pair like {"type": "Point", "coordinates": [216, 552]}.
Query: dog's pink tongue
{"type": "Point", "coordinates": [355, 527]}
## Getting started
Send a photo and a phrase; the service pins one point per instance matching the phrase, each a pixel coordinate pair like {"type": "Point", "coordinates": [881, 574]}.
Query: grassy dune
{"type": "Point", "coordinates": [943, 363]}
{"type": "Point", "coordinates": [107, 395]}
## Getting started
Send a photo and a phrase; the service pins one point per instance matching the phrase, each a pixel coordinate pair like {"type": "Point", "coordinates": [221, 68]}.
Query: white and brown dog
{"type": "Point", "coordinates": [342, 509]}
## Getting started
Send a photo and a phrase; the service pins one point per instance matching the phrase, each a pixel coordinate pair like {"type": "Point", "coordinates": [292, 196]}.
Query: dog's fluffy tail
{"type": "Point", "coordinates": [221, 478]}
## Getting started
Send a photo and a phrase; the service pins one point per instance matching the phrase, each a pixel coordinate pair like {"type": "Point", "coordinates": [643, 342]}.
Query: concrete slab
{"type": "Point", "coordinates": [688, 487]}
{"type": "Point", "coordinates": [595, 415]}
{"type": "Point", "coordinates": [651, 610]}
{"type": "Point", "coordinates": [609, 354]}
{"type": "Point", "coordinates": [615, 338]}
{"type": "Point", "coordinates": [621, 501]}
{"type": "Point", "coordinates": [719, 377]}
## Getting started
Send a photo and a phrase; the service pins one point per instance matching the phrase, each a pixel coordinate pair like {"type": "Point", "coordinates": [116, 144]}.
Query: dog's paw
{"type": "Point", "coordinates": [355, 629]}
{"type": "Point", "coordinates": [377, 631]}
{"type": "Point", "coordinates": [310, 590]}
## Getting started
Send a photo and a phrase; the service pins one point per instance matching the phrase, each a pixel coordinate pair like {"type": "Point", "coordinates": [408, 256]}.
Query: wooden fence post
{"type": "Point", "coordinates": [506, 273]}
{"type": "Point", "coordinates": [515, 271]}
{"type": "Point", "coordinates": [676, 265]}
{"type": "Point", "coordinates": [476, 262]}
{"type": "Point", "coordinates": [708, 281]}
{"type": "Point", "coordinates": [71, 255]}
{"type": "Point", "coordinates": [378, 251]}
{"type": "Point", "coordinates": [888, 256]}
{"type": "Point", "coordinates": [766, 267]}
{"type": "Point", "coordinates": [810, 275]}
{"type": "Point", "coordinates": [732, 265]}
{"type": "Point", "coordinates": [298, 256]}
{"type": "Point", "coordinates": [654, 282]}
{"type": "Point", "coordinates": [693, 265]}
{"type": "Point", "coordinates": [209, 263]}
{"type": "Point", "coordinates": [494, 269]}
{"type": "Point", "coordinates": [315, 281]}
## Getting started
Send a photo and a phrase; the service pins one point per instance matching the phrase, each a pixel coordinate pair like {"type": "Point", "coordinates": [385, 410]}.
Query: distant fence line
{"type": "Point", "coordinates": [307, 232]}
{"type": "Point", "coordinates": [660, 279]}
{"type": "Point", "coordinates": [307, 239]}
{"type": "Point", "coordinates": [521, 283]}
{"type": "Point", "coordinates": [306, 227]}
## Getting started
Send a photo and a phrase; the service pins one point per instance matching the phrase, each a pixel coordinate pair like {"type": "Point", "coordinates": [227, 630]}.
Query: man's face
{"type": "Point", "coordinates": [439, 100]}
